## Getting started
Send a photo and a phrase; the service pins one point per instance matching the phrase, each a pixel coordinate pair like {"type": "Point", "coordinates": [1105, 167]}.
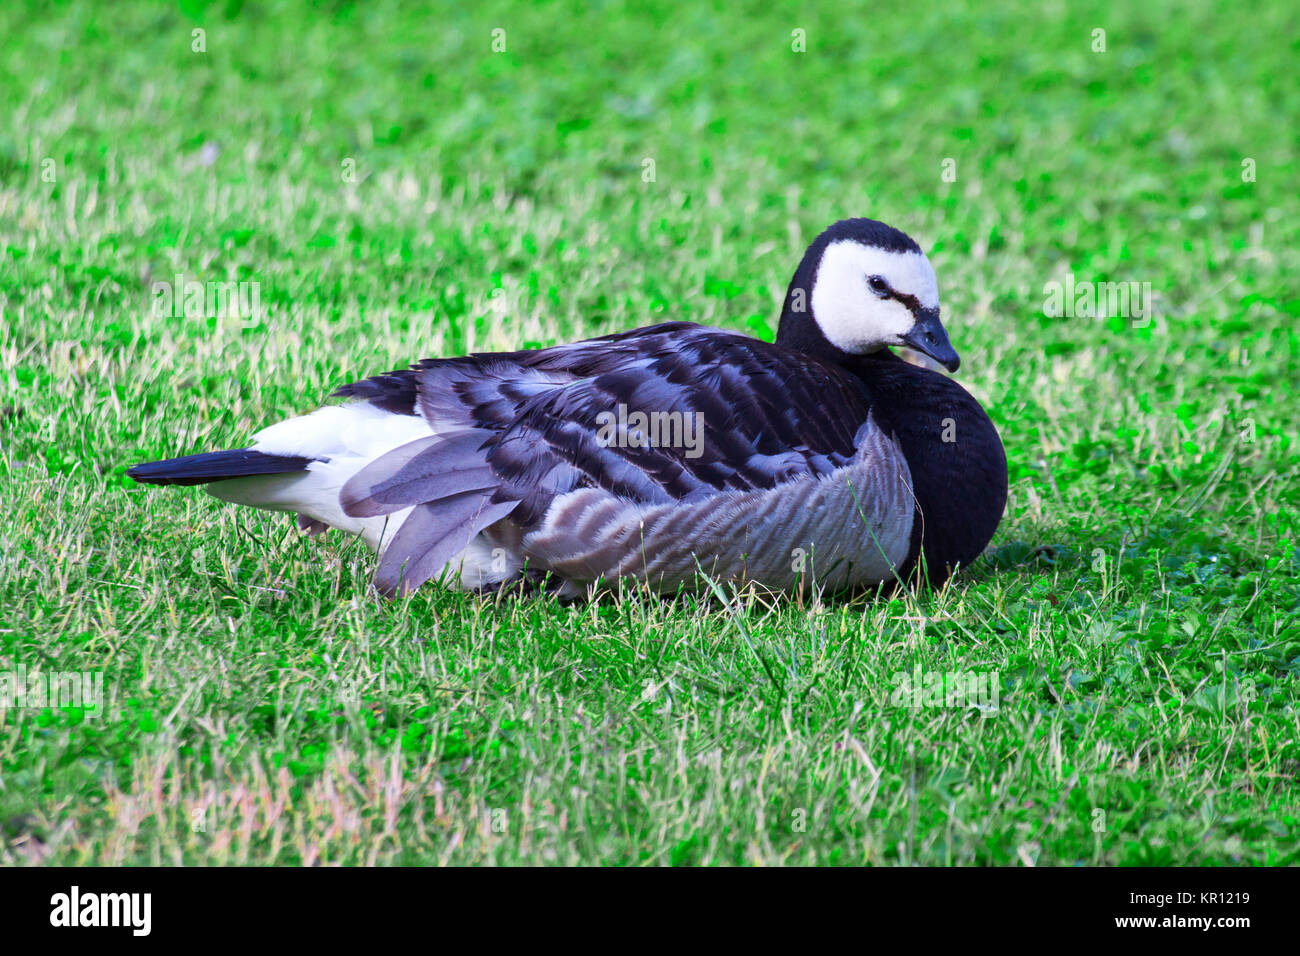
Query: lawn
{"type": "Point", "coordinates": [403, 184]}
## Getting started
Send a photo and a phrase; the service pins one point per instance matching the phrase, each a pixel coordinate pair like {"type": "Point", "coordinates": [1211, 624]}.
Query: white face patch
{"type": "Point", "coordinates": [850, 315]}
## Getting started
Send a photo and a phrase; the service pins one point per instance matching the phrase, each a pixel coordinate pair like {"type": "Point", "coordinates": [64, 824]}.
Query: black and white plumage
{"type": "Point", "coordinates": [822, 456]}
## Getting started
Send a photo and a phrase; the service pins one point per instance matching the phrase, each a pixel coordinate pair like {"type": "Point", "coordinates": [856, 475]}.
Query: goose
{"type": "Point", "coordinates": [672, 454]}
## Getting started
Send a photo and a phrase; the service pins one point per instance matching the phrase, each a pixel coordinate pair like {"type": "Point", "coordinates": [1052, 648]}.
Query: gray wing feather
{"type": "Point", "coordinates": [432, 535]}
{"type": "Point", "coordinates": [426, 469]}
{"type": "Point", "coordinates": [447, 483]}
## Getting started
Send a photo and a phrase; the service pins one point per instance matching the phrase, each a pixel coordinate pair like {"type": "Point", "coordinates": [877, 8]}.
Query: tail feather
{"type": "Point", "coordinates": [216, 466]}
{"type": "Point", "coordinates": [422, 501]}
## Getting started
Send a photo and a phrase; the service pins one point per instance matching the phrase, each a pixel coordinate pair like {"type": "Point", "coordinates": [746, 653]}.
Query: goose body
{"type": "Point", "coordinates": [660, 453]}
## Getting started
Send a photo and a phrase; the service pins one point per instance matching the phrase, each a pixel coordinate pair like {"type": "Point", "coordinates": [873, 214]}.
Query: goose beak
{"type": "Point", "coordinates": [929, 336]}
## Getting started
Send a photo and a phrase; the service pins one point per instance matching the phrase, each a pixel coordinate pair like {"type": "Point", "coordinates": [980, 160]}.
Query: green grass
{"type": "Point", "coordinates": [1138, 605]}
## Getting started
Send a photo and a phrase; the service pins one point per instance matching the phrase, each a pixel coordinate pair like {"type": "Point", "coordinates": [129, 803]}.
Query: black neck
{"type": "Point", "coordinates": [959, 468]}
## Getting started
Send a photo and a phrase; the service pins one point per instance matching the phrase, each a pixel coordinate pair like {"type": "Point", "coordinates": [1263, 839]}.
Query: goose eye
{"type": "Point", "coordinates": [879, 286]}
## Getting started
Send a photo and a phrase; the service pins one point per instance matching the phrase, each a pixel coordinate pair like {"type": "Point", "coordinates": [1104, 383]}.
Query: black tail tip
{"type": "Point", "coordinates": [215, 466]}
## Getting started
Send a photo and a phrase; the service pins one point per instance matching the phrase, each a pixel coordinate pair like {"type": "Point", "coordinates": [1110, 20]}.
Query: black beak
{"type": "Point", "coordinates": [930, 337]}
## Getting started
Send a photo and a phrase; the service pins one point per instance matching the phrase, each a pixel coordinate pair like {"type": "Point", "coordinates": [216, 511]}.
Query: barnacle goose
{"type": "Point", "coordinates": [660, 453]}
